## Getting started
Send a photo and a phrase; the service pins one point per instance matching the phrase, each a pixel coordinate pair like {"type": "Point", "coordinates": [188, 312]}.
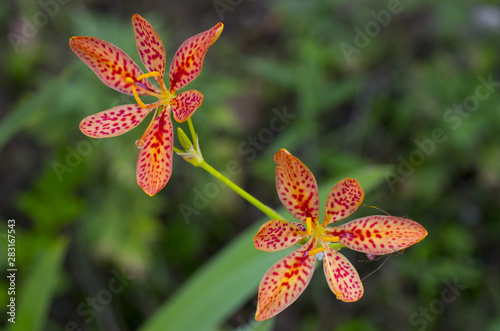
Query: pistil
{"type": "Point", "coordinates": [140, 142]}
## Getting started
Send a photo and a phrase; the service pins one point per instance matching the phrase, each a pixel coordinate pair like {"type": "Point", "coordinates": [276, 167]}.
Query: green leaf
{"type": "Point", "coordinates": [39, 287]}
{"type": "Point", "coordinates": [224, 283]}
{"type": "Point", "coordinates": [232, 277]}
{"type": "Point", "coordinates": [267, 325]}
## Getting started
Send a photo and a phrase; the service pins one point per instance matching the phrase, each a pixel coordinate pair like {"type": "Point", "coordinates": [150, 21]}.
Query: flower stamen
{"type": "Point", "coordinates": [149, 74]}
{"type": "Point", "coordinates": [331, 239]}
{"type": "Point", "coordinates": [148, 92]}
{"type": "Point", "coordinates": [309, 226]}
{"type": "Point", "coordinates": [143, 87]}
{"type": "Point", "coordinates": [316, 251]}
{"type": "Point", "coordinates": [134, 92]}
{"type": "Point", "coordinates": [136, 85]}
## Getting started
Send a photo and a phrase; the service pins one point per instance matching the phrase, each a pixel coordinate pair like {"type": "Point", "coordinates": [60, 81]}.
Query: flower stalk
{"type": "Point", "coordinates": [244, 194]}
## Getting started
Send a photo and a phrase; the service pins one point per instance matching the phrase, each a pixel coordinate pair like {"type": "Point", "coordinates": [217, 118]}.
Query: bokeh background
{"type": "Point", "coordinates": [402, 95]}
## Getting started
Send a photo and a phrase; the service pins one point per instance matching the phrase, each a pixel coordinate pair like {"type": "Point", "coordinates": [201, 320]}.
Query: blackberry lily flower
{"type": "Point", "coordinates": [118, 71]}
{"type": "Point", "coordinates": [373, 235]}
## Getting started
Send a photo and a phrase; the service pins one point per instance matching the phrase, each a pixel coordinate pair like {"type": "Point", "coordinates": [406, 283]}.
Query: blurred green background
{"type": "Point", "coordinates": [401, 95]}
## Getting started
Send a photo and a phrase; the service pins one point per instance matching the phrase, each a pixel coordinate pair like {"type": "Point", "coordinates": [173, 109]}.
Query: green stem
{"type": "Point", "coordinates": [244, 194]}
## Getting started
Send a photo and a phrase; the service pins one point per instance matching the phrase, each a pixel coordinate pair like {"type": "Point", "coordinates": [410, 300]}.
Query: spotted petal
{"type": "Point", "coordinates": [188, 60]}
{"type": "Point", "coordinates": [154, 165]}
{"type": "Point", "coordinates": [285, 281]}
{"type": "Point", "coordinates": [110, 63]}
{"type": "Point", "coordinates": [115, 121]}
{"type": "Point", "coordinates": [344, 198]}
{"type": "Point", "coordinates": [276, 235]}
{"type": "Point", "coordinates": [341, 276]}
{"type": "Point", "coordinates": [296, 186]}
{"type": "Point", "coordinates": [379, 235]}
{"type": "Point", "coordinates": [149, 45]}
{"type": "Point", "coordinates": [185, 104]}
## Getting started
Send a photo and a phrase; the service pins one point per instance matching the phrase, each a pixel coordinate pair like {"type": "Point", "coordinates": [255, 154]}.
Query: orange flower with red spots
{"type": "Point", "coordinates": [375, 235]}
{"type": "Point", "coordinates": [118, 71]}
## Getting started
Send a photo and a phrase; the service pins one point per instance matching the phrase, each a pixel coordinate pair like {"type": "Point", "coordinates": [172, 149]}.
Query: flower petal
{"type": "Point", "coordinates": [379, 235]}
{"type": "Point", "coordinates": [110, 64]}
{"type": "Point", "coordinates": [276, 235]}
{"type": "Point", "coordinates": [341, 276]}
{"type": "Point", "coordinates": [154, 165]}
{"type": "Point", "coordinates": [285, 281]}
{"type": "Point", "coordinates": [296, 186]}
{"type": "Point", "coordinates": [188, 59]}
{"type": "Point", "coordinates": [344, 198]}
{"type": "Point", "coordinates": [115, 121]}
{"type": "Point", "coordinates": [149, 46]}
{"type": "Point", "coordinates": [184, 104]}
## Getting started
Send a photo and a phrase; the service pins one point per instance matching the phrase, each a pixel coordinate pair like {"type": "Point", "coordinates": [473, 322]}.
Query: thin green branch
{"type": "Point", "coordinates": [244, 194]}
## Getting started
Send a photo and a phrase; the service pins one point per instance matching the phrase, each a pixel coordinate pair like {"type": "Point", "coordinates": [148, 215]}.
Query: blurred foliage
{"type": "Point", "coordinates": [307, 76]}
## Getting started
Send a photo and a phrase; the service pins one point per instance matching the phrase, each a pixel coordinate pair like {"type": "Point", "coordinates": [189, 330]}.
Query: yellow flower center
{"type": "Point", "coordinates": [164, 98]}
{"type": "Point", "coordinates": [318, 231]}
